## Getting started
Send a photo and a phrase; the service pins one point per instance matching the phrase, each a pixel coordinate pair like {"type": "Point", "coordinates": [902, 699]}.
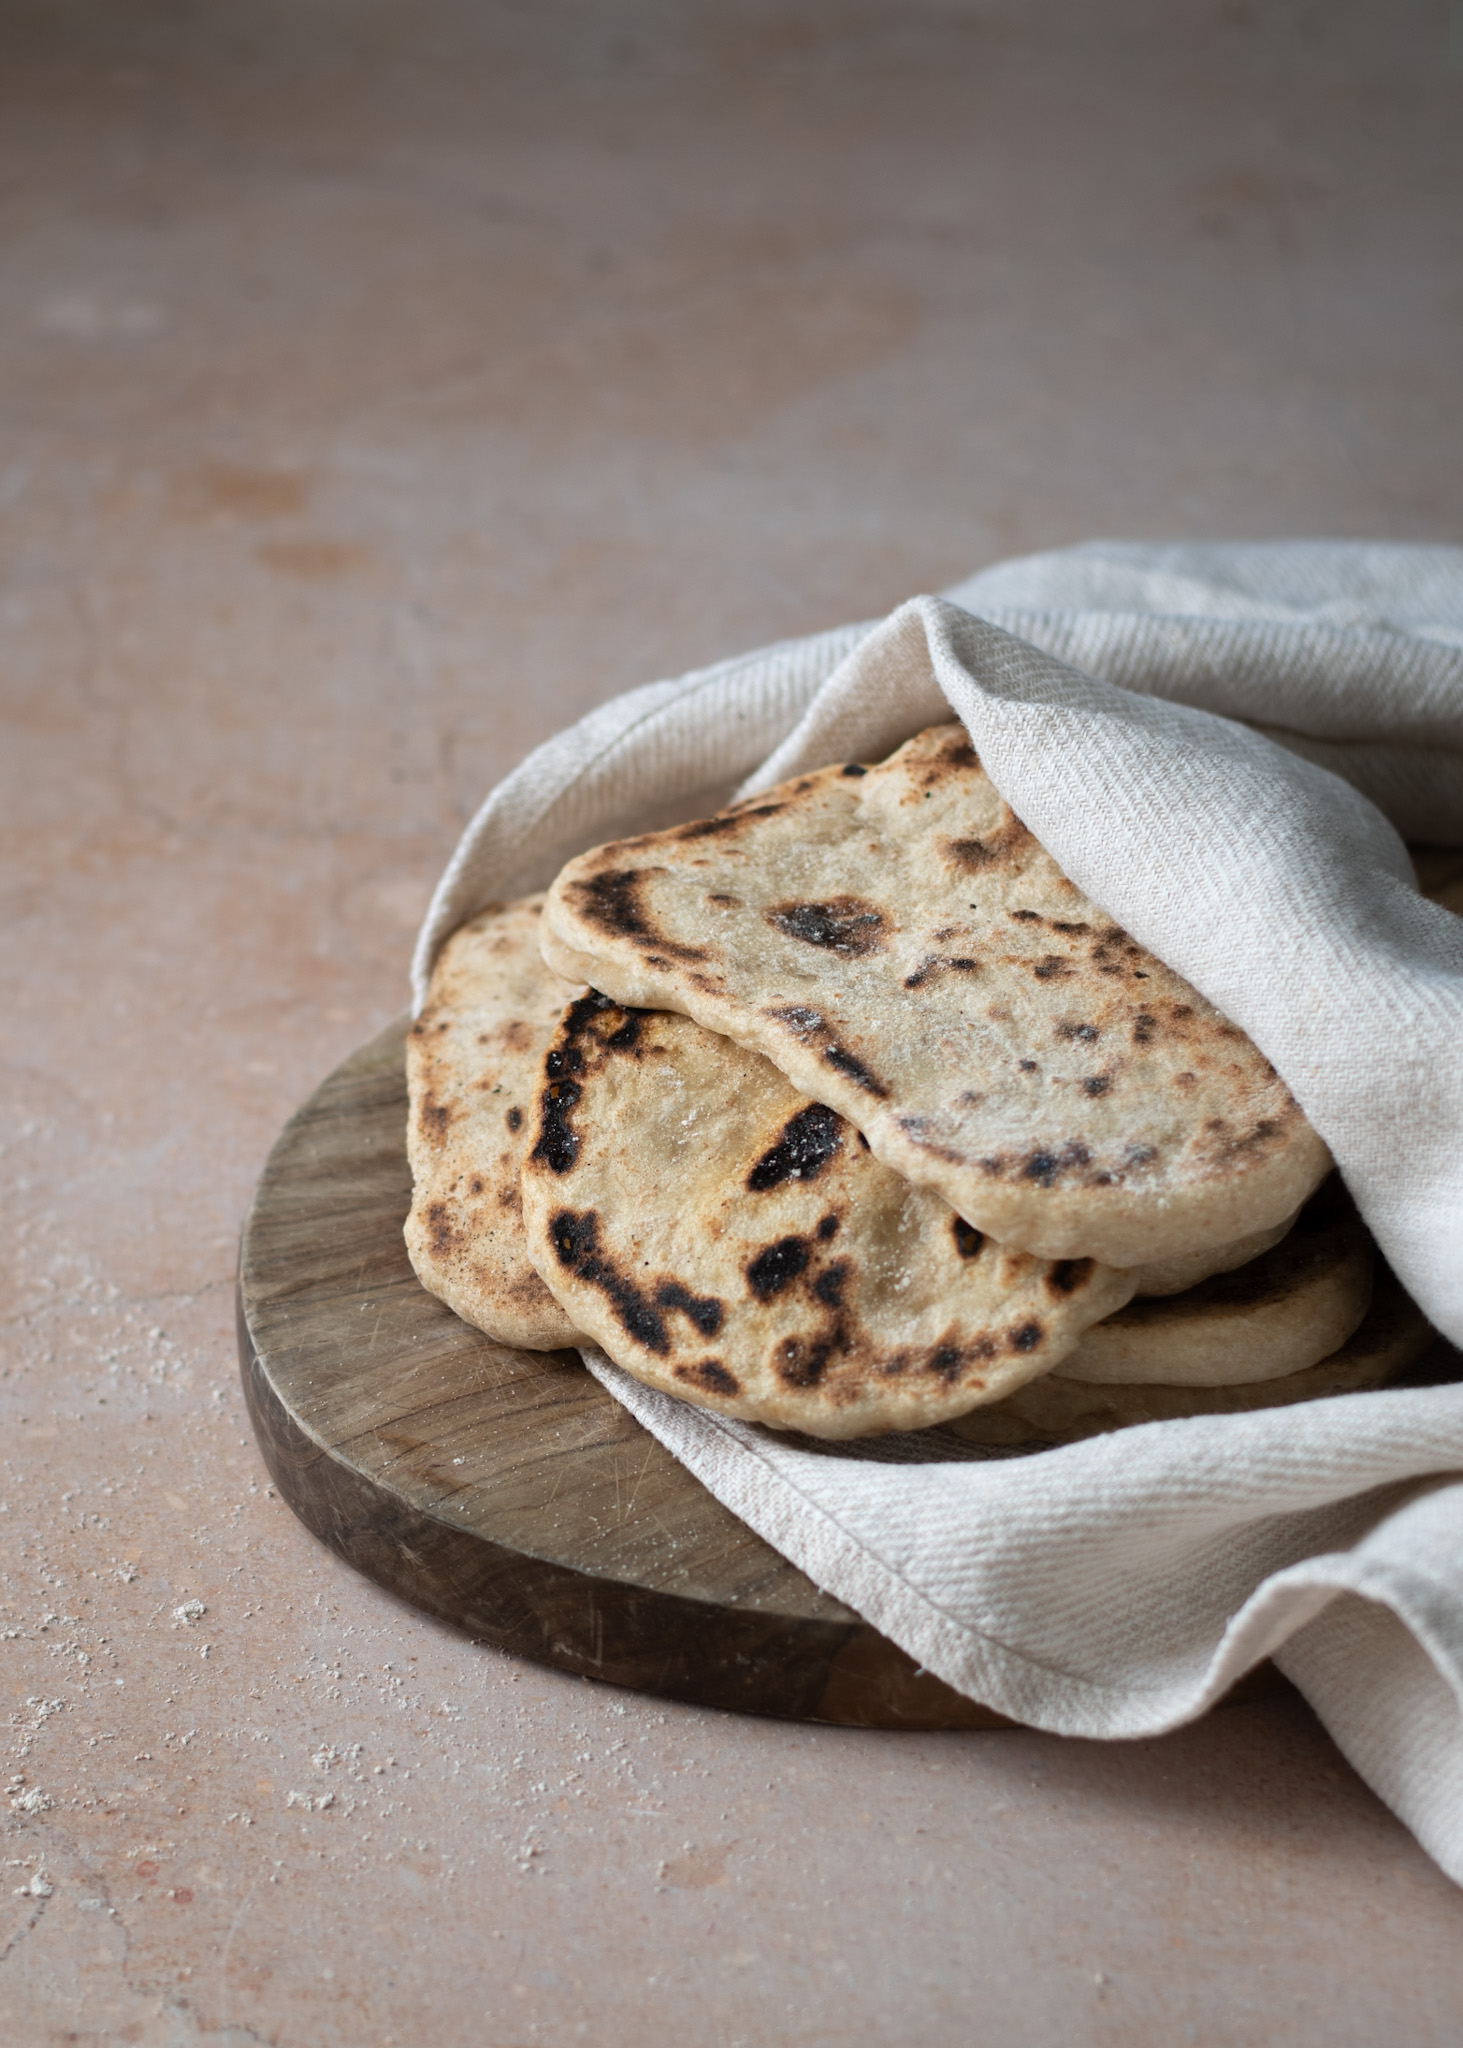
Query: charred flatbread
{"type": "Point", "coordinates": [899, 945]}
{"type": "Point", "coordinates": [1279, 1314]}
{"type": "Point", "coordinates": [472, 1061]}
{"type": "Point", "coordinates": [735, 1243]}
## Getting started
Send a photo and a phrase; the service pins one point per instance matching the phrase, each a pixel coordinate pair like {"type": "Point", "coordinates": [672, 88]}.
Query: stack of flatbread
{"type": "Point", "coordinates": [844, 1111]}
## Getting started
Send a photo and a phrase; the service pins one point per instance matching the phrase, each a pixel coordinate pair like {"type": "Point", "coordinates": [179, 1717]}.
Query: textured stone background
{"type": "Point", "coordinates": [385, 382]}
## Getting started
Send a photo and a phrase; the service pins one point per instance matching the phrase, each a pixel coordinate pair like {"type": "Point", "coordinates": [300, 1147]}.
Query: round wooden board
{"type": "Point", "coordinates": [505, 1490]}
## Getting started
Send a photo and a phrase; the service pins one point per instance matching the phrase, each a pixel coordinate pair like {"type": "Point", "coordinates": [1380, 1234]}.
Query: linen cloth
{"type": "Point", "coordinates": [1223, 746]}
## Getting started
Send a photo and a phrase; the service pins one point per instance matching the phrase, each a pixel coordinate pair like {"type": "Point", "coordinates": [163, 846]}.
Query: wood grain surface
{"type": "Point", "coordinates": [505, 1490]}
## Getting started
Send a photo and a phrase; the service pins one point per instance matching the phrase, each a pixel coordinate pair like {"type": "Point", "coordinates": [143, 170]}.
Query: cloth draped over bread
{"type": "Point", "coordinates": [1225, 747]}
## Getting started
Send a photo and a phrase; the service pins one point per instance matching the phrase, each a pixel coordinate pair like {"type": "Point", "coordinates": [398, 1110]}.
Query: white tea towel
{"type": "Point", "coordinates": [1127, 701]}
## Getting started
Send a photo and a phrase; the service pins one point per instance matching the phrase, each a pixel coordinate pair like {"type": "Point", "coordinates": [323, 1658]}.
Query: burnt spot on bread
{"type": "Point", "coordinates": [1026, 1066]}
{"type": "Point", "coordinates": [1145, 1026]}
{"type": "Point", "coordinates": [799, 1019]}
{"type": "Point", "coordinates": [1026, 1336]}
{"type": "Point", "coordinates": [626, 1037]}
{"type": "Point", "coordinates": [1224, 1147]}
{"type": "Point", "coordinates": [1097, 1084]}
{"type": "Point", "coordinates": [711, 1376]}
{"type": "Point", "coordinates": [441, 1236]}
{"type": "Point", "coordinates": [557, 1145]}
{"type": "Point", "coordinates": [1023, 916]}
{"type": "Point", "coordinates": [577, 1017]}
{"type": "Point", "coordinates": [808, 1141]}
{"type": "Point", "coordinates": [1063, 925]}
{"type": "Point", "coordinates": [523, 1290]}
{"type": "Point", "coordinates": [514, 1118]}
{"type": "Point", "coordinates": [1044, 1167]}
{"type": "Point", "coordinates": [434, 1119]}
{"type": "Point", "coordinates": [998, 848]}
{"type": "Point", "coordinates": [828, 1227]}
{"type": "Point", "coordinates": [830, 1283]}
{"type": "Point", "coordinates": [844, 924]}
{"type": "Point", "coordinates": [611, 901]}
{"type": "Point", "coordinates": [934, 964]}
{"type": "Point", "coordinates": [776, 1266]}
{"type": "Point", "coordinates": [726, 821]}
{"type": "Point", "coordinates": [703, 1311]}
{"type": "Point", "coordinates": [855, 768]}
{"type": "Point", "coordinates": [1067, 1276]}
{"type": "Point", "coordinates": [946, 1362]}
{"type": "Point", "coordinates": [968, 1240]}
{"type": "Point", "coordinates": [558, 1141]}
{"type": "Point", "coordinates": [810, 1027]}
{"type": "Point", "coordinates": [844, 1062]}
{"type": "Point", "coordinates": [575, 1238]}
{"type": "Point", "coordinates": [475, 1185]}
{"type": "Point", "coordinates": [723, 901]}
{"type": "Point", "coordinates": [1085, 1034]}
{"type": "Point", "coordinates": [802, 1361]}
{"type": "Point", "coordinates": [953, 756]}
{"type": "Point", "coordinates": [1052, 967]}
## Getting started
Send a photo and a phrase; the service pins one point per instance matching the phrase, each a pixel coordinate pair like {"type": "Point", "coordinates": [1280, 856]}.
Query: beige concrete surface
{"type": "Point", "coordinates": [384, 382]}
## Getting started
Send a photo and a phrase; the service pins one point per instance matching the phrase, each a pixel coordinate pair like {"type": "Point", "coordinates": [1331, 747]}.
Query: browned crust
{"type": "Point", "coordinates": [736, 1244]}
{"type": "Point", "coordinates": [898, 944]}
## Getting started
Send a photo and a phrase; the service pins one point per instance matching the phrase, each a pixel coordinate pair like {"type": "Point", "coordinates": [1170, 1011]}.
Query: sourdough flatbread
{"type": "Point", "coordinates": [1280, 1314]}
{"type": "Point", "coordinates": [728, 1240]}
{"type": "Point", "coordinates": [896, 941]}
{"type": "Point", "coordinates": [472, 1063]}
{"type": "Point", "coordinates": [1392, 1336]}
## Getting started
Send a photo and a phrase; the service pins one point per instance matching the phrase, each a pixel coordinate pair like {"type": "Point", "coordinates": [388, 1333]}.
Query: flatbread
{"type": "Point", "coordinates": [1279, 1314]}
{"type": "Point", "coordinates": [1175, 1276]}
{"type": "Point", "coordinates": [734, 1243]}
{"type": "Point", "coordinates": [899, 945]}
{"type": "Point", "coordinates": [472, 1064]}
{"type": "Point", "coordinates": [1393, 1334]}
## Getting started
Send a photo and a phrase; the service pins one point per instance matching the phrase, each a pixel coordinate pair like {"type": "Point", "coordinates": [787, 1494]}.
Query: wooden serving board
{"type": "Point", "coordinates": [505, 1490]}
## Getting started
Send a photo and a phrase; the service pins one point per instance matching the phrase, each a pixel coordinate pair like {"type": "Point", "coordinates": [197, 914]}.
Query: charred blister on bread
{"type": "Point", "coordinates": [473, 1060]}
{"type": "Point", "coordinates": [843, 924]}
{"type": "Point", "coordinates": [681, 1195]}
